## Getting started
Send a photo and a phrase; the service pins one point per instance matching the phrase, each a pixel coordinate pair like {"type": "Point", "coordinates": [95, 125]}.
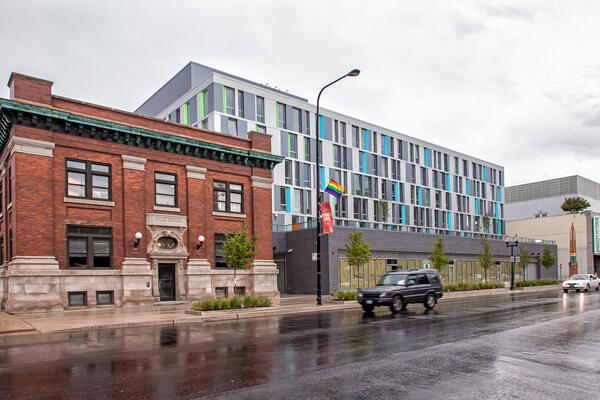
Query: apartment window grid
{"type": "Point", "coordinates": [228, 197]}
{"type": "Point", "coordinates": [229, 100]}
{"type": "Point", "coordinates": [165, 189]}
{"type": "Point", "coordinates": [240, 104]}
{"type": "Point", "coordinates": [89, 247]}
{"type": "Point", "coordinates": [260, 109]}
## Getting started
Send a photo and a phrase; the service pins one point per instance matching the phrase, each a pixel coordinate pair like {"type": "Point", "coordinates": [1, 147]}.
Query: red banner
{"type": "Point", "coordinates": [326, 218]}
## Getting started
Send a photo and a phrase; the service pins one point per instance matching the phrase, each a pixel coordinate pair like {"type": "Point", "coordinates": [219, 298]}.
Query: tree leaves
{"type": "Point", "coordinates": [358, 251]}
{"type": "Point", "coordinates": [574, 205]}
{"type": "Point", "coordinates": [438, 259]}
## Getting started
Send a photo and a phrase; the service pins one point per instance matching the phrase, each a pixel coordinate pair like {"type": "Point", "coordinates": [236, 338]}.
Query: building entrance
{"type": "Point", "coordinates": [166, 282]}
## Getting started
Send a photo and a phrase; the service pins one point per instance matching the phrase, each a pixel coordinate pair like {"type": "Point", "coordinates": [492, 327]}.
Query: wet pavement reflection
{"type": "Point", "coordinates": [455, 348]}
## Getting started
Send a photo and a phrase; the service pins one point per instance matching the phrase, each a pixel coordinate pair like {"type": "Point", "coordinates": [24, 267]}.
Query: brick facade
{"type": "Point", "coordinates": [37, 144]}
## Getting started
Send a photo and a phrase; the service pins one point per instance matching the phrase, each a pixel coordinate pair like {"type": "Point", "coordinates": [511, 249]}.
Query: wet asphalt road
{"type": "Point", "coordinates": [536, 346]}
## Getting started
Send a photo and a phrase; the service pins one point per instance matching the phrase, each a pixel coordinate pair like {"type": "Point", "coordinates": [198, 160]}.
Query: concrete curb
{"type": "Point", "coordinates": [189, 316]}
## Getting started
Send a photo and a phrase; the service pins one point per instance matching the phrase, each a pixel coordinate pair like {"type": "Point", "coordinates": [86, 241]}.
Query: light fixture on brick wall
{"type": "Point", "coordinates": [200, 242]}
{"type": "Point", "coordinates": [138, 237]}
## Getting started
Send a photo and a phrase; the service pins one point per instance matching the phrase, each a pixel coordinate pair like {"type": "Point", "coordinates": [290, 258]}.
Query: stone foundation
{"type": "Point", "coordinates": [36, 284]}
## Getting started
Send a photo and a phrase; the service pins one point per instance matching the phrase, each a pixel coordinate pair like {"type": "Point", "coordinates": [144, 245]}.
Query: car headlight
{"type": "Point", "coordinates": [385, 294]}
{"type": "Point", "coordinates": [360, 294]}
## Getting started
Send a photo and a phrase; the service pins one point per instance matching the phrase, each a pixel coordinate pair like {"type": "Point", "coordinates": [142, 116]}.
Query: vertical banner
{"type": "Point", "coordinates": [326, 218]}
{"type": "Point", "coordinates": [596, 234]}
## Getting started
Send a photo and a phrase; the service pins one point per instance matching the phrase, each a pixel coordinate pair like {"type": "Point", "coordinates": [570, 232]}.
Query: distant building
{"type": "Point", "coordinates": [533, 210]}
{"type": "Point", "coordinates": [544, 198]}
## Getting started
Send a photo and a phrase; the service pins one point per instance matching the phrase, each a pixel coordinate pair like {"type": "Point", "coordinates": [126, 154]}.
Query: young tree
{"type": "Point", "coordinates": [547, 259]}
{"type": "Point", "coordinates": [485, 223]}
{"type": "Point", "coordinates": [358, 251]}
{"type": "Point", "coordinates": [574, 205]}
{"type": "Point", "coordinates": [238, 252]}
{"type": "Point", "coordinates": [384, 210]}
{"type": "Point", "coordinates": [486, 258]}
{"type": "Point", "coordinates": [525, 257]}
{"type": "Point", "coordinates": [437, 257]}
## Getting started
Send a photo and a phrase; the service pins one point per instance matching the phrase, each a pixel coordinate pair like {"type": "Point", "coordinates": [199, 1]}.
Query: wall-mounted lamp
{"type": "Point", "coordinates": [200, 242]}
{"type": "Point", "coordinates": [138, 237]}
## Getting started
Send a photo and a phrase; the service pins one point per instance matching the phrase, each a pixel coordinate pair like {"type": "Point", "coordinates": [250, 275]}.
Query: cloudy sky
{"type": "Point", "coordinates": [516, 83]}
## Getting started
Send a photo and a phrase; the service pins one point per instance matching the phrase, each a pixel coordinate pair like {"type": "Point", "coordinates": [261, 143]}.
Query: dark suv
{"type": "Point", "coordinates": [398, 288]}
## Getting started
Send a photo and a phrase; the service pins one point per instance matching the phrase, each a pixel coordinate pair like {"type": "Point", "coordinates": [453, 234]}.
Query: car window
{"type": "Point", "coordinates": [392, 279]}
{"type": "Point", "coordinates": [411, 280]}
{"type": "Point", "coordinates": [434, 278]}
{"type": "Point", "coordinates": [422, 279]}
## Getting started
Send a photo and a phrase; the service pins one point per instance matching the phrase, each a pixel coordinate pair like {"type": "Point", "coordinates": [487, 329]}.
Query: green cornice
{"type": "Point", "coordinates": [13, 112]}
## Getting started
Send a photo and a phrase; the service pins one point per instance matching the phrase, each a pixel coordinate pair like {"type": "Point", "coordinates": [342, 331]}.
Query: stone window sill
{"type": "Point", "coordinates": [89, 202]}
{"type": "Point", "coordinates": [228, 215]}
{"type": "Point", "coordinates": [163, 208]}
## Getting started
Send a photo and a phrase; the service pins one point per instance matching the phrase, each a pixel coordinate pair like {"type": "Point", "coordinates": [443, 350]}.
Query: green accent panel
{"type": "Point", "coordinates": [224, 100]}
{"type": "Point", "coordinates": [185, 113]}
{"type": "Point", "coordinates": [125, 134]}
{"type": "Point", "coordinates": [201, 101]}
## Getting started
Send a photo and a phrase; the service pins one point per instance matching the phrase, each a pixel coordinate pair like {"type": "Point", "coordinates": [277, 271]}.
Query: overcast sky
{"type": "Point", "coordinates": [516, 83]}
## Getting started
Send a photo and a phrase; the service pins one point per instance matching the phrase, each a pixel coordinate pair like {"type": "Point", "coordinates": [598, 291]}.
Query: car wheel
{"type": "Point", "coordinates": [367, 307]}
{"type": "Point", "coordinates": [566, 290]}
{"type": "Point", "coordinates": [397, 304]}
{"type": "Point", "coordinates": [430, 301]}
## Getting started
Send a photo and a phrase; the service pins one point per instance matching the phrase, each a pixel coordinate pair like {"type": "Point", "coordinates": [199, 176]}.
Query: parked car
{"type": "Point", "coordinates": [579, 282]}
{"type": "Point", "coordinates": [398, 288]}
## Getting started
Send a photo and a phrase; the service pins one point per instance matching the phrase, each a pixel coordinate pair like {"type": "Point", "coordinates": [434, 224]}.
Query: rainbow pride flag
{"type": "Point", "coordinates": [335, 189]}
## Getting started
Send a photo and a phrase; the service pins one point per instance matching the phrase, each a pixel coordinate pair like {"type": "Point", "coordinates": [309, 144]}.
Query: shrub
{"type": "Point", "coordinates": [235, 302]}
{"type": "Point", "coordinates": [539, 282]}
{"type": "Point", "coordinates": [472, 286]}
{"type": "Point", "coordinates": [250, 301]}
{"type": "Point", "coordinates": [263, 301]}
{"type": "Point", "coordinates": [350, 295]}
{"type": "Point", "coordinates": [205, 305]}
{"type": "Point", "coordinates": [344, 295]}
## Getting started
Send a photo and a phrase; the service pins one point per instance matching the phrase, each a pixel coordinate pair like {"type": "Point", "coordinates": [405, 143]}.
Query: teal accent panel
{"type": "Point", "coordinates": [420, 197]}
{"type": "Point", "coordinates": [321, 127]}
{"type": "Point", "coordinates": [323, 183]}
{"type": "Point", "coordinates": [484, 174]}
{"type": "Point", "coordinates": [397, 190]}
{"type": "Point", "coordinates": [476, 202]}
{"type": "Point", "coordinates": [364, 157]}
{"type": "Point", "coordinates": [288, 195]}
{"type": "Point", "coordinates": [448, 182]}
{"type": "Point", "coordinates": [367, 139]}
{"type": "Point", "coordinates": [500, 194]}
{"type": "Point", "coordinates": [496, 204]}
{"type": "Point", "coordinates": [468, 235]}
{"type": "Point", "coordinates": [404, 214]}
{"type": "Point", "coordinates": [426, 157]}
{"type": "Point", "coordinates": [449, 220]}
{"type": "Point", "coordinates": [385, 145]}
{"type": "Point", "coordinates": [468, 191]}
{"type": "Point", "coordinates": [428, 231]}
{"type": "Point", "coordinates": [499, 227]}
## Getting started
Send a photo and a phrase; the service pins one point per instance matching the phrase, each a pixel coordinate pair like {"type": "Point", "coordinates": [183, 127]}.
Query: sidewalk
{"type": "Point", "coordinates": [79, 320]}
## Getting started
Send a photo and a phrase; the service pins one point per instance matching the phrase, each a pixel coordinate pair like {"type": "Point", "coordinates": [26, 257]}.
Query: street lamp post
{"type": "Point", "coordinates": [354, 72]}
{"type": "Point", "coordinates": [512, 244]}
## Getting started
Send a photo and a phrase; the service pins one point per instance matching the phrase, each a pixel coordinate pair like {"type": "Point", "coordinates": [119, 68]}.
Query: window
{"type": "Point", "coordinates": [343, 132]}
{"type": "Point", "coordinates": [10, 244]}
{"type": "Point", "coordinates": [307, 149]}
{"type": "Point", "coordinates": [297, 173]}
{"type": "Point", "coordinates": [205, 123]}
{"type": "Point", "coordinates": [288, 172]}
{"type": "Point", "coordinates": [355, 136]}
{"type": "Point", "coordinates": [281, 120]}
{"type": "Point", "coordinates": [87, 180]}
{"type": "Point", "coordinates": [89, 247]}
{"type": "Point", "coordinates": [424, 176]}
{"type": "Point", "coordinates": [336, 131]}
{"type": "Point", "coordinates": [307, 121]}
{"type": "Point", "coordinates": [260, 109]}
{"type": "Point", "coordinates": [165, 186]}
{"type": "Point", "coordinates": [261, 128]}
{"type": "Point", "coordinates": [232, 127]}
{"type": "Point", "coordinates": [296, 122]}
{"type": "Point", "coordinates": [240, 104]}
{"type": "Point", "coordinates": [77, 299]}
{"type": "Point", "coordinates": [228, 197]}
{"type": "Point", "coordinates": [293, 145]}
{"type": "Point", "coordinates": [221, 292]}
{"type": "Point", "coordinates": [306, 175]}
{"type": "Point", "coordinates": [282, 199]}
{"type": "Point", "coordinates": [229, 101]}
{"type": "Point", "coordinates": [298, 201]}
{"type": "Point", "coordinates": [105, 297]}
{"type": "Point", "coordinates": [337, 156]}
{"type": "Point", "coordinates": [219, 259]}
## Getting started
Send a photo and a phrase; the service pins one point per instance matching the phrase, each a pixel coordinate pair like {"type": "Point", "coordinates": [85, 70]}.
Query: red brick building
{"type": "Point", "coordinates": [80, 184]}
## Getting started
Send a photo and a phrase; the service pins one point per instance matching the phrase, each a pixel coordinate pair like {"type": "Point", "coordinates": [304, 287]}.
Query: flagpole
{"type": "Point", "coordinates": [354, 72]}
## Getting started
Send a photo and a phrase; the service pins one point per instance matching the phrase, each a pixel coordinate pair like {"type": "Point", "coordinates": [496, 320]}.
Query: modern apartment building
{"type": "Point", "coordinates": [392, 181]}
